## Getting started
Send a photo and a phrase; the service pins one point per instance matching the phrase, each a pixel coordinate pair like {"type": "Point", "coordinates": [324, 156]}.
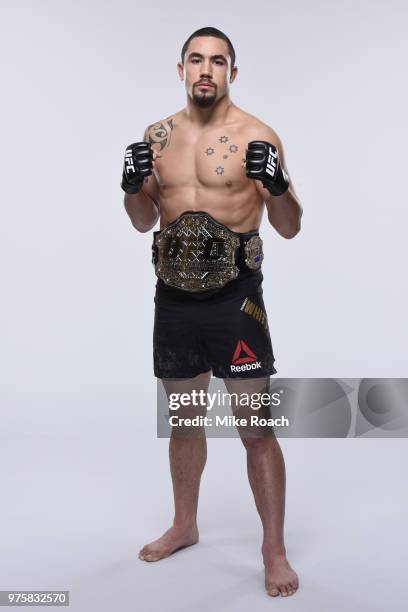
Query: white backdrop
{"type": "Point", "coordinates": [80, 81]}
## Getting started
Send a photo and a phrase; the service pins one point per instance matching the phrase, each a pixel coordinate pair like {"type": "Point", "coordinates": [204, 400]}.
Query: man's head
{"type": "Point", "coordinates": [207, 56]}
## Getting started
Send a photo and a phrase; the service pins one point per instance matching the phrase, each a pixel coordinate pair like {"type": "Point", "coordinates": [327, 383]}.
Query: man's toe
{"type": "Point", "coordinates": [273, 590]}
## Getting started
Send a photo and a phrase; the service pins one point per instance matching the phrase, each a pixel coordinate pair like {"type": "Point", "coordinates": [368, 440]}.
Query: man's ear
{"type": "Point", "coordinates": [180, 69]}
{"type": "Point", "coordinates": [234, 72]}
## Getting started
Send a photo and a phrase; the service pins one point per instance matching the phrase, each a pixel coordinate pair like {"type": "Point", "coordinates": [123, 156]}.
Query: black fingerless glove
{"type": "Point", "coordinates": [137, 165]}
{"type": "Point", "coordinates": [263, 164]}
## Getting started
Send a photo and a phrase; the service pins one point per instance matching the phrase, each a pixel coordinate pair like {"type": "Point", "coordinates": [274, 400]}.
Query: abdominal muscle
{"type": "Point", "coordinates": [240, 212]}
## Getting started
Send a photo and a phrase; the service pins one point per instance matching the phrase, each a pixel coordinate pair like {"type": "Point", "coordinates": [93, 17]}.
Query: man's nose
{"type": "Point", "coordinates": [206, 69]}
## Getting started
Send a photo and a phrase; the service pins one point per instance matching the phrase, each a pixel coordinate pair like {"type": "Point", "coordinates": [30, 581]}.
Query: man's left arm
{"type": "Point", "coordinates": [284, 210]}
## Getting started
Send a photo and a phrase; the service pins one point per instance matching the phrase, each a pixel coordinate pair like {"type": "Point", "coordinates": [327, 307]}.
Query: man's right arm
{"type": "Point", "coordinates": [143, 207]}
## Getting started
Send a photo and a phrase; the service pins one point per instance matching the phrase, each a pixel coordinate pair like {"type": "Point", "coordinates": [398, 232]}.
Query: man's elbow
{"type": "Point", "coordinates": [290, 232]}
{"type": "Point", "coordinates": [143, 229]}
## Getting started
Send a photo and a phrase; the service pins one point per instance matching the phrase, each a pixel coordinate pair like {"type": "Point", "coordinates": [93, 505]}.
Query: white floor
{"type": "Point", "coordinates": [77, 508]}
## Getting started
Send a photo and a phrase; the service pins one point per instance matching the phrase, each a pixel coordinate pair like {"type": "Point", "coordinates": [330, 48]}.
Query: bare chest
{"type": "Point", "coordinates": [211, 159]}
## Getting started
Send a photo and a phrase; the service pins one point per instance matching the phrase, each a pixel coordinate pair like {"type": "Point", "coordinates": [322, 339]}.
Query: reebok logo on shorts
{"type": "Point", "coordinates": [244, 358]}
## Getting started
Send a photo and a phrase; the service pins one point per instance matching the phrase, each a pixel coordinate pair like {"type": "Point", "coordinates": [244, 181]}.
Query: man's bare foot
{"type": "Point", "coordinates": [173, 539]}
{"type": "Point", "coordinates": [280, 579]}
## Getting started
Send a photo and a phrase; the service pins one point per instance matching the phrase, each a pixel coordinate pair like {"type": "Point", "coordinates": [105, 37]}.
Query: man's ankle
{"type": "Point", "coordinates": [185, 524]}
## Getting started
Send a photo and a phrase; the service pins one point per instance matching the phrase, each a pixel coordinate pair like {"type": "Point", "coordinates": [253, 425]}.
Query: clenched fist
{"type": "Point", "coordinates": [137, 165]}
{"type": "Point", "coordinates": [262, 163]}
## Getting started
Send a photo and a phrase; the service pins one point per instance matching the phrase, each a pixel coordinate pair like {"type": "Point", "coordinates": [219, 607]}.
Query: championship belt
{"type": "Point", "coordinates": [196, 252]}
{"type": "Point", "coordinates": [254, 253]}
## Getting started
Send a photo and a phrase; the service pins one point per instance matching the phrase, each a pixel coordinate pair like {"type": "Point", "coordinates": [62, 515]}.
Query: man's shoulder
{"type": "Point", "coordinates": [165, 123]}
{"type": "Point", "coordinates": [256, 129]}
{"type": "Point", "coordinates": [160, 131]}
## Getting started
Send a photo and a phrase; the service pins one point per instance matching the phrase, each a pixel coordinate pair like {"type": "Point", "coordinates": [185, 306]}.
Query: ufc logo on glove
{"type": "Point", "coordinates": [271, 164]}
{"type": "Point", "coordinates": [129, 161]}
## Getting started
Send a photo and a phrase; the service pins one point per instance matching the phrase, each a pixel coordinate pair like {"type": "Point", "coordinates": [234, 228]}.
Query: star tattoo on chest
{"type": "Point", "coordinates": [232, 148]}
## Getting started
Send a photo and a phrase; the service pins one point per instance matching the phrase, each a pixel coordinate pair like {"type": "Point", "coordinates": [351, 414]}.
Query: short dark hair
{"type": "Point", "coordinates": [209, 31]}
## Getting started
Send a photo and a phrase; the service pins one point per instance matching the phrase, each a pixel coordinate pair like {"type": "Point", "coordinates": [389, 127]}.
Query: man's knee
{"type": "Point", "coordinates": [258, 442]}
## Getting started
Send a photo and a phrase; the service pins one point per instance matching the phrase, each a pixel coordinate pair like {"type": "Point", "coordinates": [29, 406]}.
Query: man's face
{"type": "Point", "coordinates": [207, 60]}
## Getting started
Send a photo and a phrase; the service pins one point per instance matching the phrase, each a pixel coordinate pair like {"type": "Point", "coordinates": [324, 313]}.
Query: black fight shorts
{"type": "Point", "coordinates": [224, 330]}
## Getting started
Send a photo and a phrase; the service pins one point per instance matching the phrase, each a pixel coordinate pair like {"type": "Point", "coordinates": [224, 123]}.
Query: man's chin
{"type": "Point", "coordinates": [204, 101]}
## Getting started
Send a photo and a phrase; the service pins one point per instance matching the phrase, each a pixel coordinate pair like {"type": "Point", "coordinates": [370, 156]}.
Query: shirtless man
{"type": "Point", "coordinates": [212, 157]}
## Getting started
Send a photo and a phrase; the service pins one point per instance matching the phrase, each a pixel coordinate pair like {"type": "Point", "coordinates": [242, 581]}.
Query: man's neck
{"type": "Point", "coordinates": [214, 115]}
